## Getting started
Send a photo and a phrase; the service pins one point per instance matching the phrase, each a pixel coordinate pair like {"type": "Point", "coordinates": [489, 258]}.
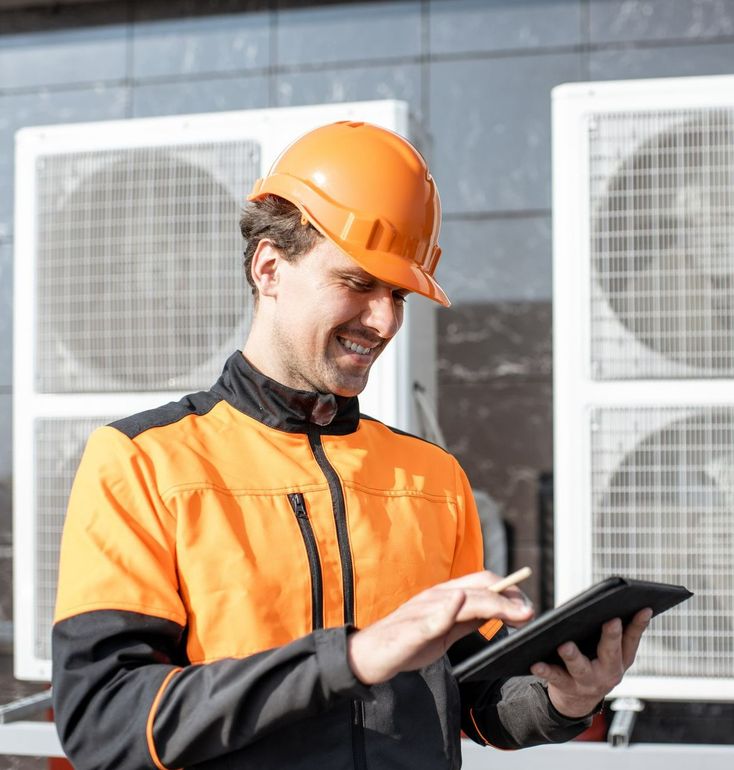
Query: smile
{"type": "Point", "coordinates": [353, 347]}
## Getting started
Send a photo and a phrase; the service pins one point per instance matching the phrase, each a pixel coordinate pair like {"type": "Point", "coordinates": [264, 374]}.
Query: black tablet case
{"type": "Point", "coordinates": [579, 620]}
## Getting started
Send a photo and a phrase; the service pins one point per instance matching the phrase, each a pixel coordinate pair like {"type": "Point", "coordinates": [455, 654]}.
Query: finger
{"type": "Point", "coordinates": [609, 649]}
{"type": "Point", "coordinates": [554, 675]}
{"type": "Point", "coordinates": [577, 664]}
{"type": "Point", "coordinates": [443, 613]}
{"type": "Point", "coordinates": [480, 604]}
{"type": "Point", "coordinates": [633, 634]}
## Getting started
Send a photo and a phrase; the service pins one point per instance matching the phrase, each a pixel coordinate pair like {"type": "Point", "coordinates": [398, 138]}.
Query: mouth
{"type": "Point", "coordinates": [354, 347]}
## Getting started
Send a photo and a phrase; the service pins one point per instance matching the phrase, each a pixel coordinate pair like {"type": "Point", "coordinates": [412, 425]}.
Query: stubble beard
{"type": "Point", "coordinates": [322, 375]}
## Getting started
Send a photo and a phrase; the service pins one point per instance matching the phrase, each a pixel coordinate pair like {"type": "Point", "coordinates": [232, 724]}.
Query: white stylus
{"type": "Point", "coordinates": [512, 579]}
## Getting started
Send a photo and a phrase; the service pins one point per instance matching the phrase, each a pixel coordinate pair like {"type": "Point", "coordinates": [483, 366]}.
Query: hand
{"type": "Point", "coordinates": [420, 631]}
{"type": "Point", "coordinates": [576, 689]}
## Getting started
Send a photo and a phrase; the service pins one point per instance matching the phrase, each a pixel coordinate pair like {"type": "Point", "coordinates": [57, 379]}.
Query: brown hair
{"type": "Point", "coordinates": [277, 220]}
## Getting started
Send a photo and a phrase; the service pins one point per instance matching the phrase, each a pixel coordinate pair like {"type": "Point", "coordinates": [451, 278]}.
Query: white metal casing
{"type": "Point", "coordinates": [408, 359]}
{"type": "Point", "coordinates": [587, 402]}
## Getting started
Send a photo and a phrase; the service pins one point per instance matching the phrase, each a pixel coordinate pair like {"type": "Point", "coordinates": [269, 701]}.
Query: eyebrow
{"type": "Point", "coordinates": [357, 274]}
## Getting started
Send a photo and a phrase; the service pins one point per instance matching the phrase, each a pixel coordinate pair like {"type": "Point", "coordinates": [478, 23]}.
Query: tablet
{"type": "Point", "coordinates": [579, 620]}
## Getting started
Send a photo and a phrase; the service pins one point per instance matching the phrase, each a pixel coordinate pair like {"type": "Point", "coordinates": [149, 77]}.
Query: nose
{"type": "Point", "coordinates": [384, 313]}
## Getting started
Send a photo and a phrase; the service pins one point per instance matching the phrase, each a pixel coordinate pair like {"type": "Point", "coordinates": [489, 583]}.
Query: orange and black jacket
{"type": "Point", "coordinates": [216, 553]}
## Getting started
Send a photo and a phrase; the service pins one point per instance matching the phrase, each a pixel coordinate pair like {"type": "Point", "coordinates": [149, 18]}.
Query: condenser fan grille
{"type": "Point", "coordinates": [662, 244]}
{"type": "Point", "coordinates": [663, 509]}
{"type": "Point", "coordinates": [59, 443]}
{"type": "Point", "coordinates": [140, 284]}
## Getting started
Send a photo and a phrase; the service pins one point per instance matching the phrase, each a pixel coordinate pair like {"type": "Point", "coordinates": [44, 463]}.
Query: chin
{"type": "Point", "coordinates": [347, 392]}
{"type": "Point", "coordinates": [348, 389]}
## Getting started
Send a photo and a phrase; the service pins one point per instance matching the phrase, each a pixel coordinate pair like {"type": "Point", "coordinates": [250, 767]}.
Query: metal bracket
{"type": "Point", "coordinates": [623, 723]}
{"type": "Point", "coordinates": [21, 708]}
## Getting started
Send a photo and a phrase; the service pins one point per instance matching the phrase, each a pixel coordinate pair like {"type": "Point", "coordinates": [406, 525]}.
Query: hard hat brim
{"type": "Point", "coordinates": [386, 266]}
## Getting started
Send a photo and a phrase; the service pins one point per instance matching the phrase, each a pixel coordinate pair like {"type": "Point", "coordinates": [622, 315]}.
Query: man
{"type": "Point", "coordinates": [260, 577]}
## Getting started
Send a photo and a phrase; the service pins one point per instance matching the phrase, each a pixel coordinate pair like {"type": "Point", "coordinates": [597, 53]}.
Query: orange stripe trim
{"type": "Point", "coordinates": [481, 734]}
{"type": "Point", "coordinates": [151, 716]}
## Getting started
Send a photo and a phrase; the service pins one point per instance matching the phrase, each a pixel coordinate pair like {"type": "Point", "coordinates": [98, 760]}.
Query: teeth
{"type": "Point", "coordinates": [354, 347]}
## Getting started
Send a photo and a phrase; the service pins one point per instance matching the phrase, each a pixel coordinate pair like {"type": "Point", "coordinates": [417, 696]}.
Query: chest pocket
{"type": "Point", "coordinates": [244, 573]}
{"type": "Point", "coordinates": [401, 545]}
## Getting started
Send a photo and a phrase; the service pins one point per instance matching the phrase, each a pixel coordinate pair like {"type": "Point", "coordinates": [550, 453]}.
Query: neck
{"type": "Point", "coordinates": [259, 353]}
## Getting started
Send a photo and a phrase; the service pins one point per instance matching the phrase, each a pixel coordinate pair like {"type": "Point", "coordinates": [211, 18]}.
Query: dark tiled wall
{"type": "Point", "coordinates": [476, 72]}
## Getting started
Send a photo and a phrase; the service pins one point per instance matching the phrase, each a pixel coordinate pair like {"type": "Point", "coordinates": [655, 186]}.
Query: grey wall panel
{"type": "Point", "coordinates": [663, 61]}
{"type": "Point", "coordinates": [496, 259]}
{"type": "Point", "coordinates": [77, 44]}
{"type": "Point", "coordinates": [490, 341]}
{"type": "Point", "coordinates": [6, 315]}
{"type": "Point", "coordinates": [6, 435]}
{"type": "Point", "coordinates": [458, 26]}
{"type": "Point", "coordinates": [169, 40]}
{"type": "Point", "coordinates": [642, 20]}
{"type": "Point", "coordinates": [205, 95]}
{"type": "Point", "coordinates": [490, 121]}
{"type": "Point", "coordinates": [333, 32]}
{"type": "Point", "coordinates": [46, 107]}
{"type": "Point", "coordinates": [346, 84]}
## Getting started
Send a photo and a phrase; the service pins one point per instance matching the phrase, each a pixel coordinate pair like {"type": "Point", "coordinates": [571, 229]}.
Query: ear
{"type": "Point", "coordinates": [264, 268]}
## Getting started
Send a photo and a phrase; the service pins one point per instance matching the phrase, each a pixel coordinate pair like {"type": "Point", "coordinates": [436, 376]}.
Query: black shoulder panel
{"type": "Point", "coordinates": [401, 432]}
{"type": "Point", "coordinates": [195, 403]}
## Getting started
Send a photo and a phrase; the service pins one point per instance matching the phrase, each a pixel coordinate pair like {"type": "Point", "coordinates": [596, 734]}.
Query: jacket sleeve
{"type": "Point", "coordinates": [508, 713]}
{"type": "Point", "coordinates": [125, 695]}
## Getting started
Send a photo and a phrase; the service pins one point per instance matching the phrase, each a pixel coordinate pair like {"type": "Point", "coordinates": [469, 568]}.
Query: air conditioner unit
{"type": "Point", "coordinates": [643, 336]}
{"type": "Point", "coordinates": [129, 292]}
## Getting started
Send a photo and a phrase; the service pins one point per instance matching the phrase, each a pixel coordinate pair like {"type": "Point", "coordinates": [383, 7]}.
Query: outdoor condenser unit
{"type": "Point", "coordinates": [643, 220]}
{"type": "Point", "coordinates": [129, 292]}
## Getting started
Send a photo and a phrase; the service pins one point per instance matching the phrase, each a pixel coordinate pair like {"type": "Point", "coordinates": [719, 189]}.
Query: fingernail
{"type": "Point", "coordinates": [539, 670]}
{"type": "Point", "coordinates": [567, 650]}
{"type": "Point", "coordinates": [647, 615]}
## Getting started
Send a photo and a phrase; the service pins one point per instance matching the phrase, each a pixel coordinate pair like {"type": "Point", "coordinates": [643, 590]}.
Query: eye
{"type": "Point", "coordinates": [400, 297]}
{"type": "Point", "coordinates": [360, 286]}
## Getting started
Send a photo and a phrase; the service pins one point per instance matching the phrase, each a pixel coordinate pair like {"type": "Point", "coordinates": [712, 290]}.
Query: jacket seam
{"type": "Point", "coordinates": [145, 457]}
{"type": "Point", "coordinates": [158, 612]}
{"type": "Point", "coordinates": [164, 424]}
{"type": "Point", "coordinates": [399, 492]}
{"type": "Point", "coordinates": [460, 536]}
{"type": "Point", "coordinates": [151, 718]}
{"type": "Point", "coordinates": [195, 486]}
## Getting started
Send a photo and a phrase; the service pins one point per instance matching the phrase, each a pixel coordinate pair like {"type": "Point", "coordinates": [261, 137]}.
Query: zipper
{"type": "Point", "coordinates": [314, 564]}
{"type": "Point", "coordinates": [359, 754]}
{"type": "Point", "coordinates": [339, 509]}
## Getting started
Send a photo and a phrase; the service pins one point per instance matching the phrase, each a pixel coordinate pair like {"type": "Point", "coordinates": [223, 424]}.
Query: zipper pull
{"type": "Point", "coordinates": [298, 504]}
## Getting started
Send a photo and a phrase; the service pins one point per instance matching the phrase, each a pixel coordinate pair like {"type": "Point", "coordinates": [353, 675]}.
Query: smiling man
{"type": "Point", "coordinates": [258, 576]}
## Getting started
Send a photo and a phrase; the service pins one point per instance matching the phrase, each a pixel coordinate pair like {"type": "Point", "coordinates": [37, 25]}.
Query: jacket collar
{"type": "Point", "coordinates": [281, 407]}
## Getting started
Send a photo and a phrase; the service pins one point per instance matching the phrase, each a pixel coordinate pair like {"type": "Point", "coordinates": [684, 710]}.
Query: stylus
{"type": "Point", "coordinates": [512, 579]}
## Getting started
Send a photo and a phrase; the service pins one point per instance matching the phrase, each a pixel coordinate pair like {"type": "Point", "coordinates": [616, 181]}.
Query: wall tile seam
{"type": "Point", "coordinates": [43, 89]}
{"type": "Point", "coordinates": [577, 48]}
{"type": "Point", "coordinates": [266, 71]}
{"type": "Point", "coordinates": [519, 379]}
{"type": "Point", "coordinates": [272, 53]}
{"type": "Point", "coordinates": [489, 215]}
{"type": "Point", "coordinates": [425, 72]}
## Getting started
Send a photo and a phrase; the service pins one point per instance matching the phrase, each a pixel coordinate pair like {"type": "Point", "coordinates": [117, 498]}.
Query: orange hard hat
{"type": "Point", "coordinates": [368, 191]}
